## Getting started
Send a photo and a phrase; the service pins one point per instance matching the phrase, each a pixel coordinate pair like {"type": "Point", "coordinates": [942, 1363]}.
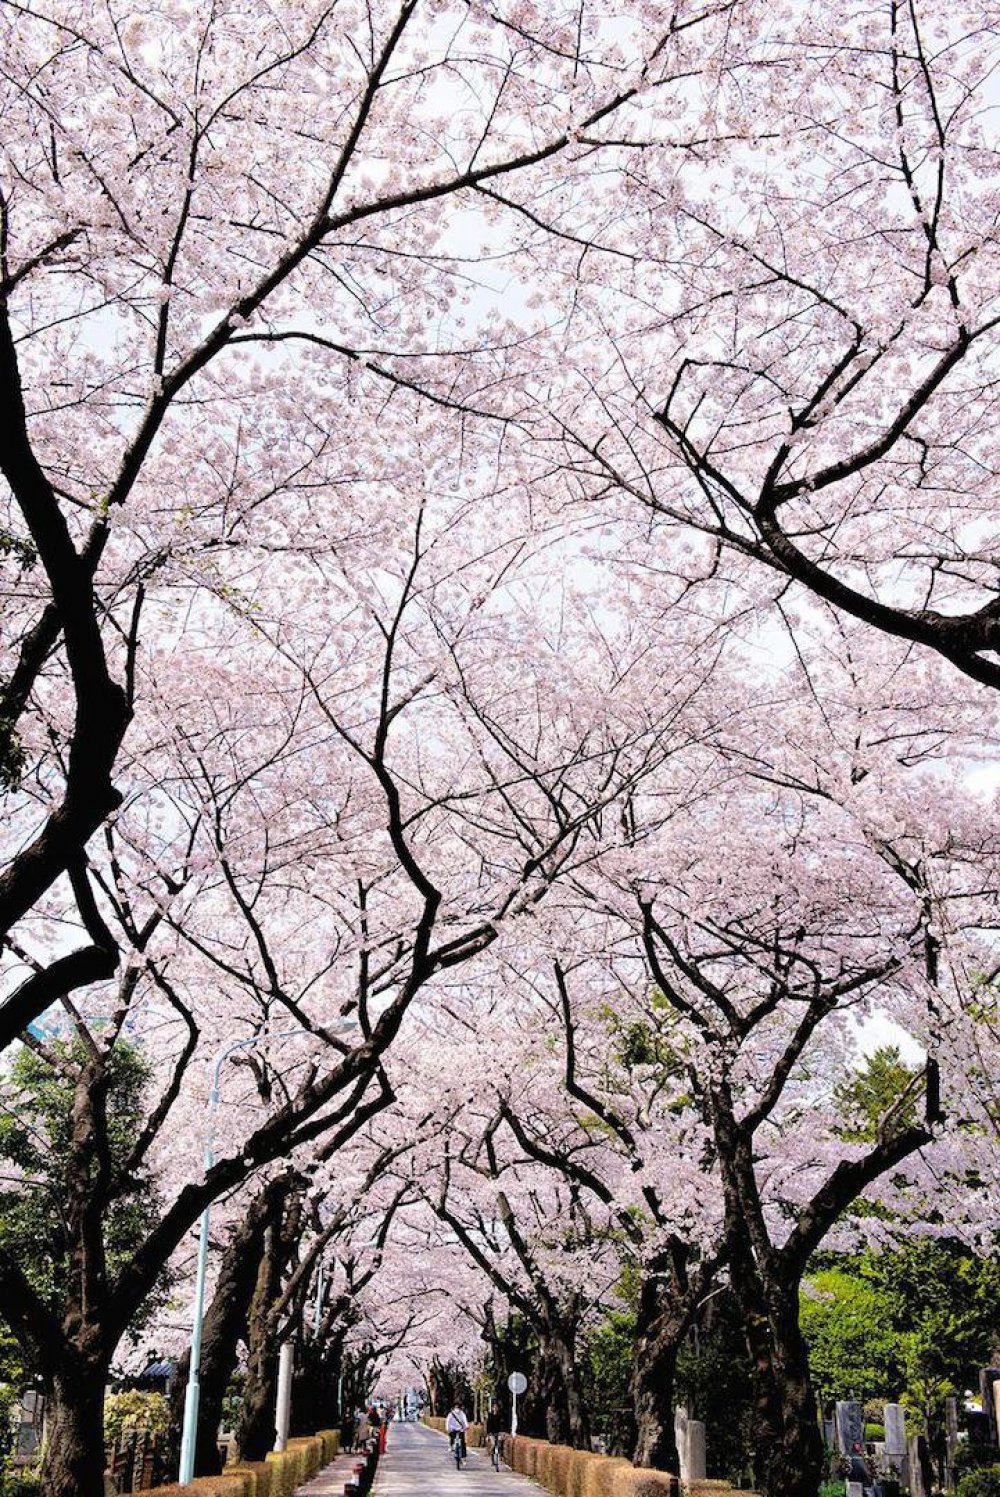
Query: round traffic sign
{"type": "Point", "coordinates": [517, 1382]}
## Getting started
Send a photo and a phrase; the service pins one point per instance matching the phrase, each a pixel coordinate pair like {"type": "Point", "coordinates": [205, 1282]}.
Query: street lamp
{"type": "Point", "coordinates": [192, 1394]}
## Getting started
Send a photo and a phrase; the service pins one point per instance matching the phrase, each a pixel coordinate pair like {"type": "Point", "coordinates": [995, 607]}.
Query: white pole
{"type": "Point", "coordinates": [513, 1414]}
{"type": "Point", "coordinates": [318, 1307]}
{"type": "Point", "coordinates": [192, 1394]}
{"type": "Point", "coordinates": [283, 1413]}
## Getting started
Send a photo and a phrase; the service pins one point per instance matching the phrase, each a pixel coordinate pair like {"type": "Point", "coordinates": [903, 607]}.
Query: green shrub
{"type": "Point", "coordinates": [969, 1457]}
{"type": "Point", "coordinates": [135, 1410]}
{"type": "Point", "coordinates": [24, 1483]}
{"type": "Point", "coordinates": [833, 1489]}
{"type": "Point", "coordinates": [983, 1483]}
{"type": "Point", "coordinates": [874, 1431]}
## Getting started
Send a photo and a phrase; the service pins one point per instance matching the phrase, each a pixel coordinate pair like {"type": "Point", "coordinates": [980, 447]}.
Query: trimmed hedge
{"type": "Point", "coordinates": [579, 1473]}
{"type": "Point", "coordinates": [276, 1476]}
{"type": "Point", "coordinates": [714, 1489]}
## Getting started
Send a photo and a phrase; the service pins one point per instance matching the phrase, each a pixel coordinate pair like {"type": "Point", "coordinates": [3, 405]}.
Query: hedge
{"type": "Point", "coordinates": [579, 1473]}
{"type": "Point", "coordinates": [714, 1489]}
{"type": "Point", "coordinates": [276, 1476]}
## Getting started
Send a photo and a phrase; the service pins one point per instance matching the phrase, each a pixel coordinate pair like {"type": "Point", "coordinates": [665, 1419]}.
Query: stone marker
{"type": "Point", "coordinates": [951, 1434]}
{"type": "Point", "coordinates": [987, 1378]}
{"type": "Point", "coordinates": [894, 1418]}
{"type": "Point", "coordinates": [855, 1489]}
{"type": "Point", "coordinates": [680, 1436]}
{"type": "Point", "coordinates": [695, 1450]}
{"type": "Point", "coordinates": [919, 1467]}
{"type": "Point", "coordinates": [850, 1426]}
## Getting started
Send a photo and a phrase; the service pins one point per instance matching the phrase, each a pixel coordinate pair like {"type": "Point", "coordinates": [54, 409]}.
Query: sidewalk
{"type": "Point", "coordinates": [330, 1481]}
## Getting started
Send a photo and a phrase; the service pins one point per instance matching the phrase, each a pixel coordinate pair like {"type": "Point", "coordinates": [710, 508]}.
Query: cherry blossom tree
{"type": "Point", "coordinates": [170, 220]}
{"type": "Point", "coordinates": [799, 362]}
{"type": "Point", "coordinates": [289, 887]}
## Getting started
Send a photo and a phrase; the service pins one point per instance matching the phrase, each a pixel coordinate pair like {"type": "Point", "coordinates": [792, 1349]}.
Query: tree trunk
{"type": "Point", "coordinates": [73, 1464]}
{"type": "Point", "coordinates": [579, 1416]}
{"type": "Point", "coordinates": [255, 1430]}
{"type": "Point", "coordinates": [797, 1468]}
{"type": "Point", "coordinates": [314, 1388]}
{"type": "Point", "coordinates": [225, 1324]}
{"type": "Point", "coordinates": [654, 1370]}
{"type": "Point", "coordinates": [566, 1418]}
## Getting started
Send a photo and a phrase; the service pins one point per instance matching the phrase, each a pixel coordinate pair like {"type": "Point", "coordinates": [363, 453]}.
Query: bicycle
{"type": "Point", "coordinates": [496, 1450]}
{"type": "Point", "coordinates": [458, 1449]}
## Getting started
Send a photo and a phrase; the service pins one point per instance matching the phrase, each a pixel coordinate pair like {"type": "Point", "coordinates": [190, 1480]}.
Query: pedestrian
{"type": "Point", "coordinates": [495, 1428]}
{"type": "Point", "coordinates": [861, 1471]}
{"type": "Point", "coordinates": [348, 1430]}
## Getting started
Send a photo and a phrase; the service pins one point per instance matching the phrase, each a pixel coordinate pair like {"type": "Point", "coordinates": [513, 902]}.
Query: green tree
{"type": "Point", "coordinates": [36, 1146]}
{"type": "Point", "coordinates": [911, 1322]}
{"type": "Point", "coordinates": [866, 1098]}
{"type": "Point", "coordinates": [854, 1350]}
{"type": "Point", "coordinates": [944, 1304]}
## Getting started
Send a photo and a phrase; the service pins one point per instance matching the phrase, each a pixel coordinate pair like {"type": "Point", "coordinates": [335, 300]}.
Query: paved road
{"type": "Point", "coordinates": [418, 1464]}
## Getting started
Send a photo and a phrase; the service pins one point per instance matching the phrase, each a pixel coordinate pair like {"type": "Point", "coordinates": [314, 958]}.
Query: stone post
{"type": "Point", "coordinates": [696, 1450]}
{"type": "Point", "coordinates": [283, 1410]}
{"type": "Point", "coordinates": [894, 1418]}
{"type": "Point", "coordinates": [681, 1437]}
{"type": "Point", "coordinates": [849, 1426]}
{"type": "Point", "coordinates": [987, 1378]}
{"type": "Point", "coordinates": [919, 1467]}
{"type": "Point", "coordinates": [951, 1437]}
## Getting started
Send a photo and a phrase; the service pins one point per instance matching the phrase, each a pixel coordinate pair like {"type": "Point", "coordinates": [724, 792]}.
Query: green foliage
{"type": "Point", "coordinates": [969, 1457]}
{"type": "Point", "coordinates": [983, 1483]}
{"type": "Point", "coordinates": [26, 1482]}
{"type": "Point", "coordinates": [867, 1096]}
{"type": "Point", "coordinates": [644, 1044]}
{"type": "Point", "coordinates": [13, 1369]}
{"type": "Point", "coordinates": [46, 1166]}
{"type": "Point", "coordinates": [945, 1303]}
{"type": "Point", "coordinates": [608, 1364]}
{"type": "Point", "coordinates": [915, 1324]}
{"type": "Point", "coordinates": [833, 1489]}
{"type": "Point", "coordinates": [135, 1410]}
{"type": "Point", "coordinates": [854, 1351]}
{"type": "Point", "coordinates": [8, 1428]}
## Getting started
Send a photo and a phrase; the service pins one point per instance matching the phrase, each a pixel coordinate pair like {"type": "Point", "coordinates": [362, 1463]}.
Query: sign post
{"type": "Point", "coordinates": [517, 1382]}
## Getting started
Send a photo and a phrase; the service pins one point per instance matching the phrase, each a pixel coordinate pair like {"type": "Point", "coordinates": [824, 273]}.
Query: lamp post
{"type": "Point", "coordinates": [192, 1395]}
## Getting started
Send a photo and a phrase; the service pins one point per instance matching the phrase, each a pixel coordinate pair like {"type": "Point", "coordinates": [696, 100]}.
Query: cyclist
{"type": "Point", "coordinates": [456, 1424]}
{"type": "Point", "coordinates": [495, 1425]}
